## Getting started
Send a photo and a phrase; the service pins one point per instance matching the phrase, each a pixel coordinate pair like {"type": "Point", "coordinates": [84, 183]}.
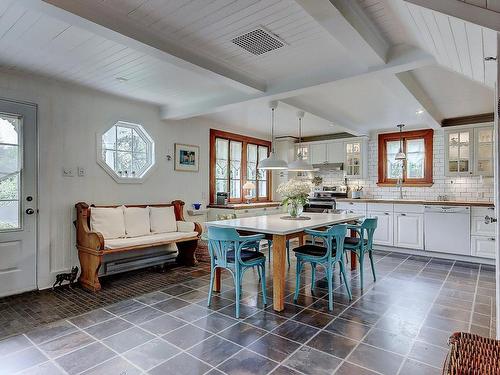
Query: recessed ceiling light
{"type": "Point", "coordinates": [419, 111]}
{"type": "Point", "coordinates": [332, 124]}
{"type": "Point", "coordinates": [121, 79]}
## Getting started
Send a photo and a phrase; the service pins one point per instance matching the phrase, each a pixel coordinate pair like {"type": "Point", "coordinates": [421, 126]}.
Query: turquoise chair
{"type": "Point", "coordinates": [362, 244]}
{"type": "Point", "coordinates": [270, 245]}
{"type": "Point", "coordinates": [233, 252]}
{"type": "Point", "coordinates": [327, 256]}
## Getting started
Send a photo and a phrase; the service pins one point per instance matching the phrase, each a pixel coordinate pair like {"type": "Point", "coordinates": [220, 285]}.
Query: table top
{"type": "Point", "coordinates": [273, 224]}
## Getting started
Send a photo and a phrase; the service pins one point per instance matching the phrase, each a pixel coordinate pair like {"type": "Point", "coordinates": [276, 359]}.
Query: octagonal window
{"type": "Point", "coordinates": [126, 152]}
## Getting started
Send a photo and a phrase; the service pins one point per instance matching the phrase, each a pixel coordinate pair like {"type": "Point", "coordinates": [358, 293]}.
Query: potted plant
{"type": "Point", "coordinates": [296, 195]}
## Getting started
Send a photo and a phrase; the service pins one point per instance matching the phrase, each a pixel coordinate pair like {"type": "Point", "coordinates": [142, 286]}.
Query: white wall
{"type": "Point", "coordinates": [68, 119]}
{"type": "Point", "coordinates": [456, 188]}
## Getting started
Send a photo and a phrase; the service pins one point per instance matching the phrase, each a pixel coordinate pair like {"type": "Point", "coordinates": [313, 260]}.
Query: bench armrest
{"type": "Point", "coordinates": [84, 236]}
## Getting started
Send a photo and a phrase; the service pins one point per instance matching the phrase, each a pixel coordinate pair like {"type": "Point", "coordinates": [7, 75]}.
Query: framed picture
{"type": "Point", "coordinates": [187, 158]}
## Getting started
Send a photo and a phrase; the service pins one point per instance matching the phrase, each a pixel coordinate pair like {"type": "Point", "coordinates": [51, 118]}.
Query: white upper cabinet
{"type": "Point", "coordinates": [335, 152]}
{"type": "Point", "coordinates": [469, 151]}
{"type": "Point", "coordinates": [318, 153]}
{"type": "Point", "coordinates": [483, 151]}
{"type": "Point", "coordinates": [354, 158]}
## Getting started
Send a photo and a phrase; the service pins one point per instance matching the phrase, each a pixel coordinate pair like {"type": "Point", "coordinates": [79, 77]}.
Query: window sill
{"type": "Point", "coordinates": [390, 184]}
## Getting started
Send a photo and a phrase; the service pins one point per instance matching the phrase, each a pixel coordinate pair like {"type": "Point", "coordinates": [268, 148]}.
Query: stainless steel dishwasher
{"type": "Point", "coordinates": [447, 229]}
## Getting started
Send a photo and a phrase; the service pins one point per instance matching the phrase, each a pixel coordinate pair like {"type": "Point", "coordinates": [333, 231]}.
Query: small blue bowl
{"type": "Point", "coordinates": [196, 206]}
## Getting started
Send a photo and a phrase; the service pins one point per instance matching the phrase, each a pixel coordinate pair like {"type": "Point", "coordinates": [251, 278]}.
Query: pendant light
{"type": "Point", "coordinates": [400, 155]}
{"type": "Point", "coordinates": [300, 165]}
{"type": "Point", "coordinates": [272, 162]}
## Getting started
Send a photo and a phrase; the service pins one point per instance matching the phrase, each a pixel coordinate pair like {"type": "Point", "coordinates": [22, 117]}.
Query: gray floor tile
{"type": "Point", "coordinates": [108, 328]}
{"type": "Point", "coordinates": [21, 360]}
{"type": "Point", "coordinates": [162, 324]}
{"type": "Point", "coordinates": [51, 331]}
{"type": "Point", "coordinates": [242, 334]}
{"type": "Point", "coordinates": [429, 354]}
{"type": "Point", "coordinates": [215, 322]}
{"type": "Point", "coordinates": [124, 307]}
{"type": "Point", "coordinates": [14, 344]}
{"type": "Point", "coordinates": [350, 369]}
{"type": "Point", "coordinates": [339, 346]}
{"type": "Point", "coordinates": [153, 297]}
{"type": "Point", "coordinates": [128, 339]}
{"type": "Point", "coordinates": [274, 347]}
{"type": "Point", "coordinates": [187, 336]}
{"type": "Point", "coordinates": [411, 367]}
{"type": "Point", "coordinates": [182, 364]}
{"type": "Point", "coordinates": [151, 354]}
{"type": "Point", "coordinates": [265, 320]}
{"type": "Point", "coordinates": [115, 366]}
{"type": "Point", "coordinates": [348, 328]}
{"type": "Point", "coordinates": [313, 362]}
{"type": "Point", "coordinates": [389, 341]}
{"type": "Point", "coordinates": [85, 358]}
{"type": "Point", "coordinates": [191, 313]}
{"type": "Point", "coordinates": [91, 318]}
{"type": "Point", "coordinates": [214, 350]}
{"type": "Point", "coordinates": [65, 344]}
{"type": "Point", "coordinates": [170, 305]}
{"type": "Point", "coordinates": [247, 362]}
{"type": "Point", "coordinates": [376, 359]}
{"type": "Point", "coordinates": [295, 331]}
{"type": "Point", "coordinates": [142, 315]}
{"type": "Point", "coordinates": [47, 368]}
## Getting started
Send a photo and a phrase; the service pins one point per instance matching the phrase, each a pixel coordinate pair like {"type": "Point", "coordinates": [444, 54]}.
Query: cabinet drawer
{"type": "Point", "coordinates": [380, 207]}
{"type": "Point", "coordinates": [408, 208]}
{"type": "Point", "coordinates": [483, 211]}
{"type": "Point", "coordinates": [354, 206]}
{"type": "Point", "coordinates": [481, 226]}
{"type": "Point", "coordinates": [483, 247]}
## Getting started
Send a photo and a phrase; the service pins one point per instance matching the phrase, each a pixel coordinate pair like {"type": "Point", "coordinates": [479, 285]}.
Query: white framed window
{"type": "Point", "coordinates": [126, 152]}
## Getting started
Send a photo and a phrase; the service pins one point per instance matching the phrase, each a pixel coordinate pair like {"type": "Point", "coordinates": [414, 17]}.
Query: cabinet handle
{"type": "Point", "coordinates": [403, 214]}
{"type": "Point", "coordinates": [492, 238]}
{"type": "Point", "coordinates": [386, 213]}
{"type": "Point", "coordinates": [489, 219]}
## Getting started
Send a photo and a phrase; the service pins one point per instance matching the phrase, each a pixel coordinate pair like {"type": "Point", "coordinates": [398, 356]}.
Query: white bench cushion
{"type": "Point", "coordinates": [185, 226]}
{"type": "Point", "coordinates": [108, 221]}
{"type": "Point", "coordinates": [118, 243]}
{"type": "Point", "coordinates": [162, 219]}
{"type": "Point", "coordinates": [137, 221]}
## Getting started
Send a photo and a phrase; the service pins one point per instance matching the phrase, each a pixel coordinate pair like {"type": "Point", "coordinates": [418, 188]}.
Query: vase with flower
{"type": "Point", "coordinates": [295, 196]}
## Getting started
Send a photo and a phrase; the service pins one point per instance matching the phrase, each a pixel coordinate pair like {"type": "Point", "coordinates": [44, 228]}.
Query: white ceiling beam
{"type": "Point", "coordinates": [411, 94]}
{"type": "Point", "coordinates": [462, 10]}
{"type": "Point", "coordinates": [347, 22]}
{"type": "Point", "coordinates": [412, 85]}
{"type": "Point", "coordinates": [102, 21]}
{"type": "Point", "coordinates": [401, 59]}
{"type": "Point", "coordinates": [342, 123]}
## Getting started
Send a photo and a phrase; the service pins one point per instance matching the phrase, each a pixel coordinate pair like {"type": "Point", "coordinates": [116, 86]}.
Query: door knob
{"type": "Point", "coordinates": [30, 211]}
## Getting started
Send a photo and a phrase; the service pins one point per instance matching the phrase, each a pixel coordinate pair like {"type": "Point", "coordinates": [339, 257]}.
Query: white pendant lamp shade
{"type": "Point", "coordinates": [300, 165]}
{"type": "Point", "coordinates": [400, 155]}
{"type": "Point", "coordinates": [272, 162]}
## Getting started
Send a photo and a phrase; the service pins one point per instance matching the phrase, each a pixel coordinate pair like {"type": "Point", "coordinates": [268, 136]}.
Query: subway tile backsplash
{"type": "Point", "coordinates": [455, 188]}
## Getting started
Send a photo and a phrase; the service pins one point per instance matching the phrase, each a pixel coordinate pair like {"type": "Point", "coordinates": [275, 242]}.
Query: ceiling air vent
{"type": "Point", "coordinates": [258, 41]}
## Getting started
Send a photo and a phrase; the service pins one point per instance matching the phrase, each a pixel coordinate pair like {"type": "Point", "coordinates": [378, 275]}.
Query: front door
{"type": "Point", "coordinates": [18, 209]}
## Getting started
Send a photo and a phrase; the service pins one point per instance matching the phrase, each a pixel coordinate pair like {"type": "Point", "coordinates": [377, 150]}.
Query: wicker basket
{"type": "Point", "coordinates": [472, 354]}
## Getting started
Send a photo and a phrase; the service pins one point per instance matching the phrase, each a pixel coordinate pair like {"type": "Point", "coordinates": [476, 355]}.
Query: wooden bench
{"type": "Point", "coordinates": [92, 248]}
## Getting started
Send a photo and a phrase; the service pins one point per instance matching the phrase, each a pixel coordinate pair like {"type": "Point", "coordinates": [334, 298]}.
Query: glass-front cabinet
{"type": "Point", "coordinates": [353, 159]}
{"type": "Point", "coordinates": [469, 151]}
{"type": "Point", "coordinates": [483, 160]}
{"type": "Point", "coordinates": [459, 152]}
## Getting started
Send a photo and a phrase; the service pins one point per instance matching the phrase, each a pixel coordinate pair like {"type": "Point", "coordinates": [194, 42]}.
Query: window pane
{"type": "Point", "coordinates": [394, 169]}
{"type": "Point", "coordinates": [236, 148]}
{"type": "Point", "coordinates": [485, 151]}
{"type": "Point", "coordinates": [261, 173]}
{"type": "Point", "coordinates": [123, 138]}
{"type": "Point", "coordinates": [221, 186]}
{"type": "Point", "coordinates": [221, 169]}
{"type": "Point", "coordinates": [9, 130]}
{"type": "Point", "coordinates": [9, 160]}
{"type": "Point", "coordinates": [464, 151]}
{"type": "Point", "coordinates": [415, 153]}
{"type": "Point", "coordinates": [138, 143]}
{"type": "Point", "coordinates": [463, 165]}
{"type": "Point", "coordinates": [356, 148]}
{"type": "Point", "coordinates": [235, 189]}
{"type": "Point", "coordinates": [262, 189]}
{"type": "Point", "coordinates": [464, 138]}
{"type": "Point", "coordinates": [139, 162]}
{"type": "Point", "coordinates": [392, 147]}
{"type": "Point", "coordinates": [109, 158]}
{"type": "Point", "coordinates": [251, 162]}
{"type": "Point", "coordinates": [9, 188]}
{"type": "Point", "coordinates": [124, 163]}
{"type": "Point", "coordinates": [485, 135]}
{"type": "Point", "coordinates": [9, 215]}
{"type": "Point", "coordinates": [221, 149]}
{"type": "Point", "coordinates": [109, 139]}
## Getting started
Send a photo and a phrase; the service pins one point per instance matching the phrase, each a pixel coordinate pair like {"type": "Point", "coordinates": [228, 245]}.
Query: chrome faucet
{"type": "Point", "coordinates": [399, 184]}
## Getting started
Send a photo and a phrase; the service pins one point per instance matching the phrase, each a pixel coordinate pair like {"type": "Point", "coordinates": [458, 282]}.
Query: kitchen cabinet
{"type": "Point", "coordinates": [384, 234]}
{"type": "Point", "coordinates": [458, 152]}
{"type": "Point", "coordinates": [352, 207]}
{"type": "Point", "coordinates": [318, 153]}
{"type": "Point", "coordinates": [335, 152]}
{"type": "Point", "coordinates": [354, 155]}
{"type": "Point", "coordinates": [217, 213]}
{"type": "Point", "coordinates": [409, 230]}
{"type": "Point", "coordinates": [483, 151]}
{"type": "Point", "coordinates": [483, 232]}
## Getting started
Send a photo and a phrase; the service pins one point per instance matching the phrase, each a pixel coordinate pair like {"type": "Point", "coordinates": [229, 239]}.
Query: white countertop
{"type": "Point", "coordinates": [273, 224]}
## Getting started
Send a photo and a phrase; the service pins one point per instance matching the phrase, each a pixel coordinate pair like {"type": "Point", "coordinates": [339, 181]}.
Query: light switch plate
{"type": "Point", "coordinates": [81, 172]}
{"type": "Point", "coordinates": [68, 172]}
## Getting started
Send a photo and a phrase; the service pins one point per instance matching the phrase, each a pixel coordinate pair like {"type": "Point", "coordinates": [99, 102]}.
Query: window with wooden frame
{"type": "Point", "coordinates": [234, 160]}
{"type": "Point", "coordinates": [416, 170]}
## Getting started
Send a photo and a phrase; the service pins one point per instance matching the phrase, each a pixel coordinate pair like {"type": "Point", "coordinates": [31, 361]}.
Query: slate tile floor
{"type": "Point", "coordinates": [398, 325]}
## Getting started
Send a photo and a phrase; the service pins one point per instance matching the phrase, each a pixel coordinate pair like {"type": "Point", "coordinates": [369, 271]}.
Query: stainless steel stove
{"type": "Point", "coordinates": [325, 201]}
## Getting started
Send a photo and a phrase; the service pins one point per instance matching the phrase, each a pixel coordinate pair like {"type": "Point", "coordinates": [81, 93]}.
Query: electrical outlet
{"type": "Point", "coordinates": [68, 172]}
{"type": "Point", "coordinates": [81, 172]}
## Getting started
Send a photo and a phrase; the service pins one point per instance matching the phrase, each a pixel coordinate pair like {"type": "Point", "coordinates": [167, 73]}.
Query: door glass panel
{"type": "Point", "coordinates": [485, 135]}
{"type": "Point", "coordinates": [10, 172]}
{"type": "Point", "coordinates": [485, 151]}
{"type": "Point", "coordinates": [251, 162]}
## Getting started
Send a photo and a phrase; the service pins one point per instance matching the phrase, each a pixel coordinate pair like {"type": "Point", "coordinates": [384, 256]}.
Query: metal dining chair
{"type": "Point", "coordinates": [228, 250]}
{"type": "Point", "coordinates": [362, 244]}
{"type": "Point", "coordinates": [326, 256]}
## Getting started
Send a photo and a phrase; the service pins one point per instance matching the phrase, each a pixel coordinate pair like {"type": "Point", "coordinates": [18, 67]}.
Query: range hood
{"type": "Point", "coordinates": [329, 166]}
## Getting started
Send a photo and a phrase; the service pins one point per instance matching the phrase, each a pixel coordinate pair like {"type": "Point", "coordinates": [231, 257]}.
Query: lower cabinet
{"type": "Point", "coordinates": [482, 246]}
{"type": "Point", "coordinates": [409, 230]}
{"type": "Point", "coordinates": [384, 233]}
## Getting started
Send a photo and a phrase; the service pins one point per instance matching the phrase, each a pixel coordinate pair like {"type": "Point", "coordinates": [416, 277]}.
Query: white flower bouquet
{"type": "Point", "coordinates": [296, 195]}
